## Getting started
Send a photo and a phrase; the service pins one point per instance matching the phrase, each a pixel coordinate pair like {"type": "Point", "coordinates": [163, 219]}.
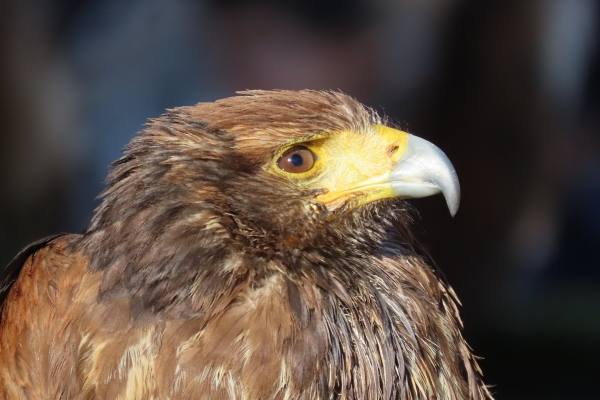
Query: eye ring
{"type": "Point", "coordinates": [296, 160]}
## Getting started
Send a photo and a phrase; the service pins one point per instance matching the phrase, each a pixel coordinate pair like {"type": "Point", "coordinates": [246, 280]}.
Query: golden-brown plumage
{"type": "Point", "coordinates": [204, 275]}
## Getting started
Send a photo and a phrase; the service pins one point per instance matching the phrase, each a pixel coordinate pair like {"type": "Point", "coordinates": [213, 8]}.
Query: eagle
{"type": "Point", "coordinates": [254, 247]}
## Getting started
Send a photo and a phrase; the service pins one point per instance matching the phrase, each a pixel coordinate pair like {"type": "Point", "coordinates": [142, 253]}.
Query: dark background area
{"type": "Point", "coordinates": [509, 89]}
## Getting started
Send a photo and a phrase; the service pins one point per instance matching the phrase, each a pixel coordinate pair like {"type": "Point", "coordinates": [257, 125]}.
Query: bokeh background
{"type": "Point", "coordinates": [509, 89]}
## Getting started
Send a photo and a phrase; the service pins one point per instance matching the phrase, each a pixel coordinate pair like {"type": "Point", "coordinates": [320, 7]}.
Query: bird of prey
{"type": "Point", "coordinates": [255, 247]}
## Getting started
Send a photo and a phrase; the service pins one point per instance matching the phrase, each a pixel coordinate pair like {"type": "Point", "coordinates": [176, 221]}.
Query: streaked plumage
{"type": "Point", "coordinates": [205, 274]}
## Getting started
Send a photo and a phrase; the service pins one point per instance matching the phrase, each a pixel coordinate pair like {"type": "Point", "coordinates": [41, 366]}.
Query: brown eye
{"type": "Point", "coordinates": [297, 159]}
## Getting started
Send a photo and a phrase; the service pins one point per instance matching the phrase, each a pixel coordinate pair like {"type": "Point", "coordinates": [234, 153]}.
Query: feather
{"type": "Point", "coordinates": [203, 275]}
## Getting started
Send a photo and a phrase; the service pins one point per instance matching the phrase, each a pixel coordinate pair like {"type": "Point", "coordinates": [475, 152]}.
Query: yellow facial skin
{"type": "Point", "coordinates": [351, 166]}
{"type": "Point", "coordinates": [355, 168]}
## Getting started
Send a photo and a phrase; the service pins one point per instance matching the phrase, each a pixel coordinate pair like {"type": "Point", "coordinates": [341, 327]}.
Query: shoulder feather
{"type": "Point", "coordinates": [10, 272]}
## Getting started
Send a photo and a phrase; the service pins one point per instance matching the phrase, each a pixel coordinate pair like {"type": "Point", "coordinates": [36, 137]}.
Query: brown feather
{"type": "Point", "coordinates": [203, 276]}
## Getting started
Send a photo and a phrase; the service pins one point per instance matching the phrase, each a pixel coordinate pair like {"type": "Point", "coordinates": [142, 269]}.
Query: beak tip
{"type": "Point", "coordinates": [453, 208]}
{"type": "Point", "coordinates": [452, 196]}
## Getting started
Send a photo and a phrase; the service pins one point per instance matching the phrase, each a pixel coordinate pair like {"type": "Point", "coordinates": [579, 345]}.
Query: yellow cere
{"type": "Point", "coordinates": [351, 166]}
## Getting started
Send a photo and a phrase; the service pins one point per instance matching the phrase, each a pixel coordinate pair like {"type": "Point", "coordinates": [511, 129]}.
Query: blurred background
{"type": "Point", "coordinates": [509, 89]}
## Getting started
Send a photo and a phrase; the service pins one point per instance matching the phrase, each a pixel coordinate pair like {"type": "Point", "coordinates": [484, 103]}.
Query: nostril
{"type": "Point", "coordinates": [392, 150]}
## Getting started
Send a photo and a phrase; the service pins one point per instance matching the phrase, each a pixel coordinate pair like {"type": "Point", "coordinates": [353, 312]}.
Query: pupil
{"type": "Point", "coordinates": [296, 160]}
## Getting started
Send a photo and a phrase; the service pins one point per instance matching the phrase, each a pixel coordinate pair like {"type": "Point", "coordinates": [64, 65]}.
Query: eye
{"type": "Point", "coordinates": [297, 159]}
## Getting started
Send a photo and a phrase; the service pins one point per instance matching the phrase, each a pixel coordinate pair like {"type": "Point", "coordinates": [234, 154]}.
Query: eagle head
{"type": "Point", "coordinates": [299, 176]}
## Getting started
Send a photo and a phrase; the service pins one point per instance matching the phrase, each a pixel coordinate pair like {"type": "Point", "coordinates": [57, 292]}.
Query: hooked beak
{"type": "Point", "coordinates": [390, 164]}
{"type": "Point", "coordinates": [424, 170]}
